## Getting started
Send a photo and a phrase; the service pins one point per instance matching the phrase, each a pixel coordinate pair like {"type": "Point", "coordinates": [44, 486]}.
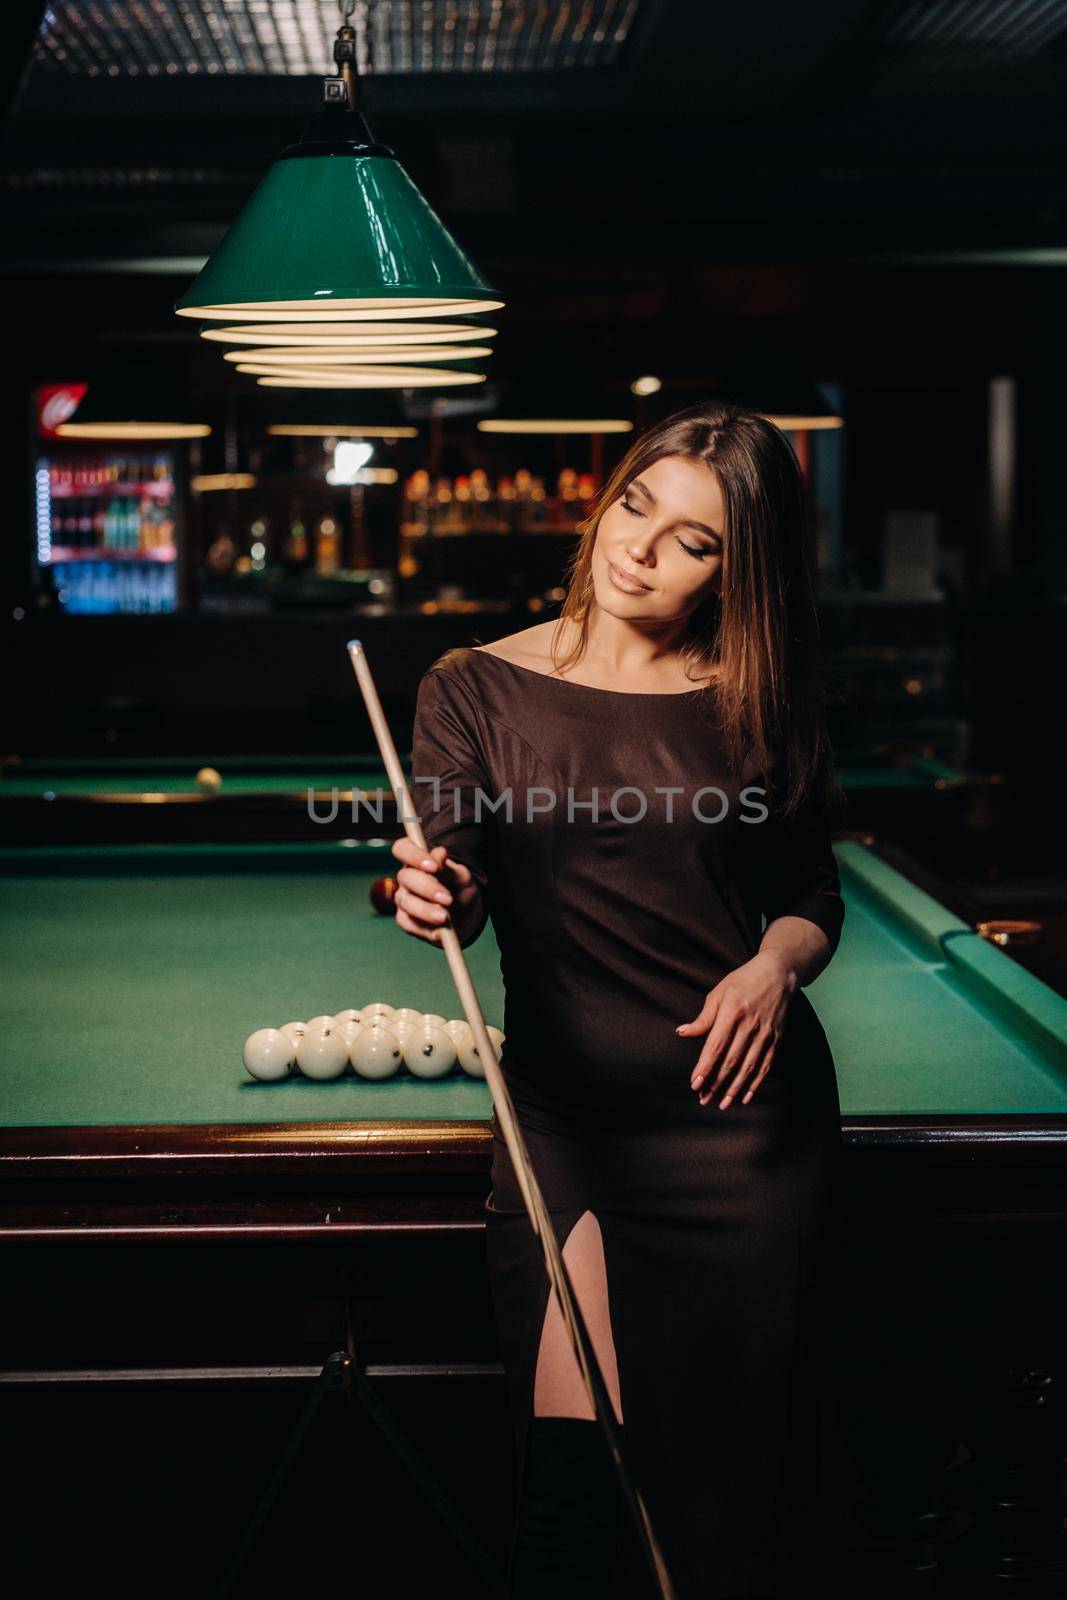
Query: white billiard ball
{"type": "Point", "coordinates": [377, 1008]}
{"type": "Point", "coordinates": [402, 1026]}
{"type": "Point", "coordinates": [294, 1030]}
{"type": "Point", "coordinates": [321, 1022]}
{"type": "Point", "coordinates": [429, 1052]}
{"type": "Point", "coordinates": [322, 1053]}
{"type": "Point", "coordinates": [468, 1054]}
{"type": "Point", "coordinates": [431, 1019]}
{"type": "Point", "coordinates": [376, 1053]}
{"type": "Point", "coordinates": [269, 1054]}
{"type": "Point", "coordinates": [347, 1016]}
{"type": "Point", "coordinates": [350, 1032]}
{"type": "Point", "coordinates": [407, 1014]}
{"type": "Point", "coordinates": [456, 1026]}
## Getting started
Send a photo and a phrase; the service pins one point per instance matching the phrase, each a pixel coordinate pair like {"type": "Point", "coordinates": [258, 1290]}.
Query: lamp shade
{"type": "Point", "coordinates": [788, 401]}
{"type": "Point", "coordinates": [358, 377]}
{"type": "Point", "coordinates": [349, 335]}
{"type": "Point", "coordinates": [337, 226]}
{"type": "Point", "coordinates": [134, 401]}
{"type": "Point", "coordinates": [323, 355]}
{"type": "Point", "coordinates": [562, 408]}
{"type": "Point", "coordinates": [354, 413]}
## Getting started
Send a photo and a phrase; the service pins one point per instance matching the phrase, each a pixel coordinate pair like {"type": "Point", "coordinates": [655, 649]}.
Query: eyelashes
{"type": "Point", "coordinates": [698, 555]}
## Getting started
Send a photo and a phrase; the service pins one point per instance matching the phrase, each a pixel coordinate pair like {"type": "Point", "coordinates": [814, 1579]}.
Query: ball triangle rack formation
{"type": "Point", "coordinates": [338, 274]}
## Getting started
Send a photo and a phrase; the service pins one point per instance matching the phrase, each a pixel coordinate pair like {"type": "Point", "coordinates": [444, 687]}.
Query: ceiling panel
{"type": "Point", "coordinates": [294, 38]}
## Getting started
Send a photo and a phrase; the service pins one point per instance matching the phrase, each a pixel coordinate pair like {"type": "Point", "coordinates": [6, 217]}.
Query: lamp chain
{"type": "Point", "coordinates": [343, 86]}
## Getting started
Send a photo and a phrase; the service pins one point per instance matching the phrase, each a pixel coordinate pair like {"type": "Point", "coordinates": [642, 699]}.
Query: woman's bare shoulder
{"type": "Point", "coordinates": [530, 647]}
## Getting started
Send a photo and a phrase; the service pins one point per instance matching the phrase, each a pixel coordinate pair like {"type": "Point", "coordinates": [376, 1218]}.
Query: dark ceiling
{"type": "Point", "coordinates": [613, 162]}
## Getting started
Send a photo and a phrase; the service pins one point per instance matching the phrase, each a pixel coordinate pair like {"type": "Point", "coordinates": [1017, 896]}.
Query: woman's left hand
{"type": "Point", "coordinates": [743, 1017]}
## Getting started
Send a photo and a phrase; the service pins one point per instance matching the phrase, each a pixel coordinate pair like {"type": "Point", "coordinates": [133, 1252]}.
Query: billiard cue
{"type": "Point", "coordinates": [540, 1221]}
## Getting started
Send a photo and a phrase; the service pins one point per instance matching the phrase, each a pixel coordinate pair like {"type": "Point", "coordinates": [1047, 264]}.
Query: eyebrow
{"type": "Point", "coordinates": [685, 522]}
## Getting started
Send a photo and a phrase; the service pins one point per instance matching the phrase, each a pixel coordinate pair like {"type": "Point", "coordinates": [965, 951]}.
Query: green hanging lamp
{"type": "Point", "coordinates": [348, 335]}
{"type": "Point", "coordinates": [337, 229]}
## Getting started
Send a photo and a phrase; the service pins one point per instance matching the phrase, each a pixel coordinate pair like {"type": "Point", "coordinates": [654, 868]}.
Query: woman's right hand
{"type": "Point", "coordinates": [430, 888]}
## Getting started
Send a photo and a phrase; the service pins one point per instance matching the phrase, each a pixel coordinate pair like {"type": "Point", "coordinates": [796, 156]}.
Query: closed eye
{"type": "Point", "coordinates": [695, 551]}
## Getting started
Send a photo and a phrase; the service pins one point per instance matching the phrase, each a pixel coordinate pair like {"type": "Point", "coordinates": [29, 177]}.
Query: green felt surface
{"type": "Point", "coordinates": [177, 775]}
{"type": "Point", "coordinates": [921, 774]}
{"type": "Point", "coordinates": [131, 976]}
{"type": "Point", "coordinates": [273, 774]}
{"type": "Point", "coordinates": [926, 1017]}
{"type": "Point", "coordinates": [131, 992]}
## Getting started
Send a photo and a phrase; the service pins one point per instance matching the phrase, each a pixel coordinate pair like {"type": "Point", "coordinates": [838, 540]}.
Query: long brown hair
{"type": "Point", "coordinates": [756, 642]}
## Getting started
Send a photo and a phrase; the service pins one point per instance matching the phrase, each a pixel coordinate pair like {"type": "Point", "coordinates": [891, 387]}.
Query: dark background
{"type": "Point", "coordinates": [871, 195]}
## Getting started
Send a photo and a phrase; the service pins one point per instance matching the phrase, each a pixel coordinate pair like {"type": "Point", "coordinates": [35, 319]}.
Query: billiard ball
{"type": "Point", "coordinates": [321, 1022]}
{"type": "Point", "coordinates": [294, 1030]}
{"type": "Point", "coordinates": [456, 1026]}
{"type": "Point", "coordinates": [401, 1026]}
{"type": "Point", "coordinates": [269, 1054]}
{"type": "Point", "coordinates": [377, 1009]}
{"type": "Point", "coordinates": [382, 894]}
{"type": "Point", "coordinates": [376, 1053]}
{"type": "Point", "coordinates": [209, 780]}
{"type": "Point", "coordinates": [350, 1032]}
{"type": "Point", "coordinates": [429, 1052]}
{"type": "Point", "coordinates": [468, 1054]}
{"type": "Point", "coordinates": [432, 1020]}
{"type": "Point", "coordinates": [407, 1014]}
{"type": "Point", "coordinates": [350, 1015]}
{"type": "Point", "coordinates": [322, 1053]}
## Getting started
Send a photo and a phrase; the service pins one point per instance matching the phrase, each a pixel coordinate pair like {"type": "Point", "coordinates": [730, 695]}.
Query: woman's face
{"type": "Point", "coordinates": [666, 533]}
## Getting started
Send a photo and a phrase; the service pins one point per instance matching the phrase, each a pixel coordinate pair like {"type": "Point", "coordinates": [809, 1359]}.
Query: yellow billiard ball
{"type": "Point", "coordinates": [209, 780]}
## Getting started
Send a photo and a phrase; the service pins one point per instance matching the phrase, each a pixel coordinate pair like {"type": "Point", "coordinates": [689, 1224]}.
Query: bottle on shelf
{"type": "Point", "coordinates": [295, 547]}
{"type": "Point", "coordinates": [327, 546]}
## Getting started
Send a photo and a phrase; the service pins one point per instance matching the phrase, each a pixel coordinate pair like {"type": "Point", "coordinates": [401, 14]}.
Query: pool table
{"type": "Point", "coordinates": [172, 1222]}
{"type": "Point", "coordinates": [133, 974]}
{"type": "Point", "coordinates": [937, 809]}
{"type": "Point", "coordinates": [155, 799]}
{"type": "Point", "coordinates": [923, 803]}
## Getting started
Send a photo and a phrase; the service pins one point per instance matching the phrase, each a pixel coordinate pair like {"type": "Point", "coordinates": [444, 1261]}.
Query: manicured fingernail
{"type": "Point", "coordinates": [725, 1101]}
{"type": "Point", "coordinates": [697, 1079]}
{"type": "Point", "coordinates": [681, 1027]}
{"type": "Point", "coordinates": [745, 1098]}
{"type": "Point", "coordinates": [428, 862]}
{"type": "Point", "coordinates": [442, 895]}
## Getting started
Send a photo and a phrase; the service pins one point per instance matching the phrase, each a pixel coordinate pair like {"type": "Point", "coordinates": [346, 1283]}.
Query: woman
{"type": "Point", "coordinates": [664, 750]}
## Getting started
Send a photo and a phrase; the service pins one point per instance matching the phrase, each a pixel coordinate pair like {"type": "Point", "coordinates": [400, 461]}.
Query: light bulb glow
{"type": "Point", "coordinates": [339, 335]}
{"type": "Point", "coordinates": [315, 430]}
{"type": "Point", "coordinates": [348, 456]}
{"type": "Point", "coordinates": [802, 424]}
{"type": "Point", "coordinates": [133, 430]}
{"type": "Point", "coordinates": [208, 482]}
{"type": "Point", "coordinates": [326, 355]}
{"type": "Point", "coordinates": [554, 425]}
{"type": "Point", "coordinates": [367, 378]}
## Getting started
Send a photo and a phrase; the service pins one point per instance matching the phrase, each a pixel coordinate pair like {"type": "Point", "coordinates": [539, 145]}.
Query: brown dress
{"type": "Point", "coordinates": [611, 932]}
